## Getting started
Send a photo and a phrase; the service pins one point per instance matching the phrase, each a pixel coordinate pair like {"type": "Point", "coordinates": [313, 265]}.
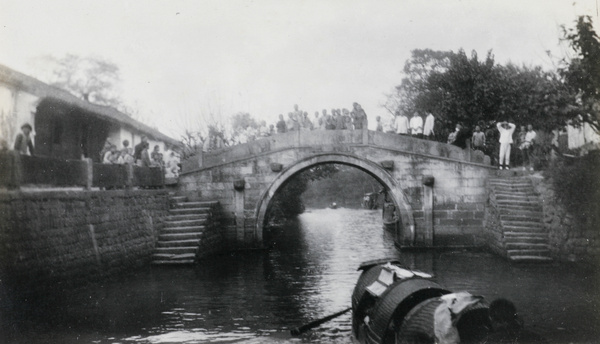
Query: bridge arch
{"type": "Point", "coordinates": [372, 168]}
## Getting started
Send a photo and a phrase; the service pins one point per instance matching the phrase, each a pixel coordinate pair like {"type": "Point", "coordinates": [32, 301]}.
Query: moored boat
{"type": "Point", "coordinates": [395, 304]}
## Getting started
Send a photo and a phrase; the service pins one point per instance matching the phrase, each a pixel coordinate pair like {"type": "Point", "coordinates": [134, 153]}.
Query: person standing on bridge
{"type": "Point", "coordinates": [297, 113]}
{"type": "Point", "coordinates": [318, 123]}
{"type": "Point", "coordinates": [291, 122]}
{"type": "Point", "coordinates": [401, 123]}
{"type": "Point", "coordinates": [281, 127]}
{"type": "Point", "coordinates": [347, 119]}
{"type": "Point", "coordinates": [360, 117]}
{"type": "Point", "coordinates": [478, 139]}
{"type": "Point", "coordinates": [306, 124]}
{"type": "Point", "coordinates": [428, 128]}
{"type": "Point", "coordinates": [379, 126]}
{"type": "Point", "coordinates": [416, 125]}
{"type": "Point", "coordinates": [506, 130]}
{"type": "Point", "coordinates": [329, 123]}
{"type": "Point", "coordinates": [340, 123]}
{"type": "Point", "coordinates": [388, 124]}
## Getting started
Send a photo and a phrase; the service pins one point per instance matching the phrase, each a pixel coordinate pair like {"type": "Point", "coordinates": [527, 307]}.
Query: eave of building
{"type": "Point", "coordinates": [22, 82]}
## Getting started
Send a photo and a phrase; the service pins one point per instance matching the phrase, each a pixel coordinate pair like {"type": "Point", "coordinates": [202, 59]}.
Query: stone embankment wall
{"type": "Point", "coordinates": [61, 238]}
{"type": "Point", "coordinates": [569, 241]}
{"type": "Point", "coordinates": [213, 240]}
{"type": "Point", "coordinates": [493, 228]}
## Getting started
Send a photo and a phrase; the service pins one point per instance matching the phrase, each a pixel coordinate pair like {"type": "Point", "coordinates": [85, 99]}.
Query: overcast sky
{"type": "Point", "coordinates": [183, 58]}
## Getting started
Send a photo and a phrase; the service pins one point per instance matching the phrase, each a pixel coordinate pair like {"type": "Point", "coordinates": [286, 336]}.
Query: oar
{"type": "Point", "coordinates": [299, 330]}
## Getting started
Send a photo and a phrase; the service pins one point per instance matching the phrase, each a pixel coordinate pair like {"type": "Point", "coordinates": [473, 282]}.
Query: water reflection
{"type": "Point", "coordinates": [256, 297]}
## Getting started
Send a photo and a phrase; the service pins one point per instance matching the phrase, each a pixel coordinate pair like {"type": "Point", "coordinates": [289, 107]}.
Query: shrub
{"type": "Point", "coordinates": [577, 184]}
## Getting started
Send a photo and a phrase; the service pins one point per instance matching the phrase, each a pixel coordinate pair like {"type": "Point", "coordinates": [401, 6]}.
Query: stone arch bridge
{"type": "Point", "coordinates": [439, 189]}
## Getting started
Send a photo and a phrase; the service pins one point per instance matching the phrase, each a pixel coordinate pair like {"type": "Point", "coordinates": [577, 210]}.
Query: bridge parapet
{"type": "Point", "coordinates": [332, 140]}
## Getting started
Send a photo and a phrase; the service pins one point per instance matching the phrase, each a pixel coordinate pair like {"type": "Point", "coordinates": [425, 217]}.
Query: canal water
{"type": "Point", "coordinates": [309, 272]}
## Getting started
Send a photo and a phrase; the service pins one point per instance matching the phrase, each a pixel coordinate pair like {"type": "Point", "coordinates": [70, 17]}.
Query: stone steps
{"type": "Point", "coordinates": [502, 202]}
{"type": "Point", "coordinates": [526, 238]}
{"type": "Point", "coordinates": [178, 243]}
{"type": "Point", "coordinates": [512, 188]}
{"type": "Point", "coordinates": [542, 252]}
{"type": "Point", "coordinates": [530, 259]}
{"type": "Point", "coordinates": [183, 230]}
{"type": "Point", "coordinates": [179, 199]}
{"type": "Point", "coordinates": [520, 217]}
{"type": "Point", "coordinates": [176, 250]}
{"type": "Point", "coordinates": [526, 246]}
{"type": "Point", "coordinates": [520, 213]}
{"type": "Point", "coordinates": [524, 197]}
{"type": "Point", "coordinates": [186, 217]}
{"type": "Point", "coordinates": [196, 205]}
{"type": "Point", "coordinates": [179, 239]}
{"type": "Point", "coordinates": [180, 236]}
{"type": "Point", "coordinates": [517, 208]}
{"type": "Point", "coordinates": [522, 223]}
{"type": "Point", "coordinates": [170, 259]}
{"type": "Point", "coordinates": [189, 211]}
{"type": "Point", "coordinates": [185, 223]}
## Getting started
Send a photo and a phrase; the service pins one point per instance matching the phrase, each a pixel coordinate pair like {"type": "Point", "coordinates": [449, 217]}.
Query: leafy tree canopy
{"type": "Point", "coordinates": [582, 71]}
{"type": "Point", "coordinates": [458, 88]}
{"type": "Point", "coordinates": [93, 79]}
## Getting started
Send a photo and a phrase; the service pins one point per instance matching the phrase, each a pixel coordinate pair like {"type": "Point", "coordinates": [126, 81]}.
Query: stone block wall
{"type": "Point", "coordinates": [569, 241]}
{"type": "Point", "coordinates": [59, 238]}
{"type": "Point", "coordinates": [494, 235]}
{"type": "Point", "coordinates": [213, 236]}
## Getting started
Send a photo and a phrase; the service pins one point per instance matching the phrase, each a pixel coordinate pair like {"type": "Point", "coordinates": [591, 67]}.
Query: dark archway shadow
{"type": "Point", "coordinates": [375, 170]}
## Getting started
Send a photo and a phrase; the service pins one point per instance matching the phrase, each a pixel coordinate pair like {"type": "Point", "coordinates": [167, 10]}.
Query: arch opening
{"type": "Point", "coordinates": [392, 186]}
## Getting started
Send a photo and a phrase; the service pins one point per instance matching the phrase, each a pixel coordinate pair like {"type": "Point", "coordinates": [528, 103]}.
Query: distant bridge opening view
{"type": "Point", "coordinates": [325, 186]}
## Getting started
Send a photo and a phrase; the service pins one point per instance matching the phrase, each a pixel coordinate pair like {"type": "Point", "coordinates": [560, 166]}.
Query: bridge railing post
{"type": "Point", "coordinates": [427, 237]}
{"type": "Point", "coordinates": [240, 223]}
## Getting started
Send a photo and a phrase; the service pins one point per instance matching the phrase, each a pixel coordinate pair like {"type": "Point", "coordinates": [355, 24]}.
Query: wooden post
{"type": "Point", "coordinates": [89, 173]}
{"type": "Point", "coordinates": [428, 182]}
{"type": "Point", "coordinates": [129, 171]}
{"type": "Point", "coordinates": [240, 223]}
{"type": "Point", "coordinates": [17, 170]}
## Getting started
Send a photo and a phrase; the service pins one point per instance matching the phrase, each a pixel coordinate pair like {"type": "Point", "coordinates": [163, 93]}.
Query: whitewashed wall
{"type": "Point", "coordinates": [16, 109]}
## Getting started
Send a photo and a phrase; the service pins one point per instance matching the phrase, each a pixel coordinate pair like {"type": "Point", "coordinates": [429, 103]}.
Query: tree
{"type": "Point", "coordinates": [242, 124]}
{"type": "Point", "coordinates": [582, 72]}
{"type": "Point", "coordinates": [417, 69]}
{"type": "Point", "coordinates": [457, 88]}
{"type": "Point", "coordinates": [93, 79]}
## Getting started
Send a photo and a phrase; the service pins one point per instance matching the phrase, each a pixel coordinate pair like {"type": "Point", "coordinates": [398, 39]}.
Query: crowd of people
{"type": "Point", "coordinates": [140, 155]}
{"type": "Point", "coordinates": [498, 138]}
{"type": "Point", "coordinates": [299, 120]}
{"type": "Point", "coordinates": [336, 119]}
{"type": "Point", "coordinates": [494, 139]}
